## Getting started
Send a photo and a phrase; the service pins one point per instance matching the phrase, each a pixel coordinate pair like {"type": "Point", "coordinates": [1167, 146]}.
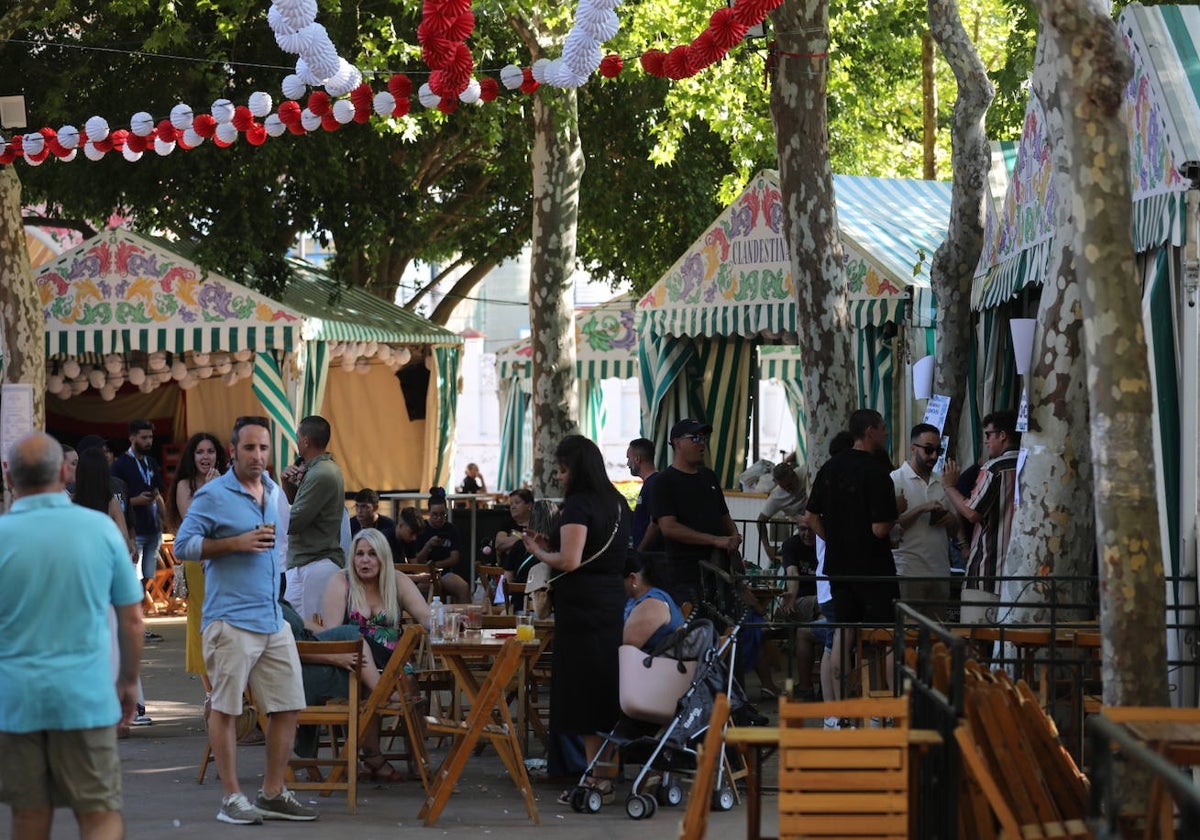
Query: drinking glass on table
{"type": "Point", "coordinates": [525, 627]}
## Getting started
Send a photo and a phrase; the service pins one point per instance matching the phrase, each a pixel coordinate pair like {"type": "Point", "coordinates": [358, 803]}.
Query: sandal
{"type": "Point", "coordinates": [377, 768]}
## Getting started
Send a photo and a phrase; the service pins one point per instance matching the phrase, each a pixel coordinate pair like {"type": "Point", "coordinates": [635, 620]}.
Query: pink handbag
{"type": "Point", "coordinates": [652, 685]}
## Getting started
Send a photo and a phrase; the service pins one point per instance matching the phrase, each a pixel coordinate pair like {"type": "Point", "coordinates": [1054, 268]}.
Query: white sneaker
{"type": "Point", "coordinates": [237, 810]}
{"type": "Point", "coordinates": [832, 723]}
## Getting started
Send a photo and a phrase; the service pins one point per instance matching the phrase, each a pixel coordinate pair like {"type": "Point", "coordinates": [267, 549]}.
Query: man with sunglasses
{"type": "Point", "coordinates": [923, 553]}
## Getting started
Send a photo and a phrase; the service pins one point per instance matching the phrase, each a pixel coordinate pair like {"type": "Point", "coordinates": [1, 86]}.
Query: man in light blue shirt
{"type": "Point", "coordinates": [231, 525]}
{"type": "Point", "coordinates": [64, 568]}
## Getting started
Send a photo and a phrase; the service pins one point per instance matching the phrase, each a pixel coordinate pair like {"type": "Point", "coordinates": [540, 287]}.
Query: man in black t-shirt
{"type": "Point", "coordinates": [367, 515]}
{"type": "Point", "coordinates": [689, 508]}
{"type": "Point", "coordinates": [854, 503]}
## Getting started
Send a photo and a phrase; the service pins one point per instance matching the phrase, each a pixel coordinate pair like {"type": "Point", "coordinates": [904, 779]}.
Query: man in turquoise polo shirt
{"type": "Point", "coordinates": [64, 568]}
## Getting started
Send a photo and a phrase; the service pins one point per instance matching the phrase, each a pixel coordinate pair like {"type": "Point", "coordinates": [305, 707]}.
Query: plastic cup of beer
{"type": "Point", "coordinates": [525, 627]}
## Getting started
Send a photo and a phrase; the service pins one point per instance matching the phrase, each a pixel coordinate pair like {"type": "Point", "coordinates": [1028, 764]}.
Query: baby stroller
{"type": "Point", "coordinates": [666, 704]}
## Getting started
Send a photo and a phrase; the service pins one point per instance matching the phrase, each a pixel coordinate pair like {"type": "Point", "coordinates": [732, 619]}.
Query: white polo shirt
{"type": "Point", "coordinates": [924, 549]}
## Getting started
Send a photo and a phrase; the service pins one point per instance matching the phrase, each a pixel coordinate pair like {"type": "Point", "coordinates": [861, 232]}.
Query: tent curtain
{"type": "Point", "coordinates": [592, 415]}
{"type": "Point", "coordinates": [668, 393]}
{"type": "Point", "coordinates": [269, 387]}
{"type": "Point", "coordinates": [876, 366]}
{"type": "Point", "coordinates": [1158, 317]}
{"type": "Point", "coordinates": [793, 390]}
{"type": "Point", "coordinates": [441, 403]}
{"type": "Point", "coordinates": [515, 442]}
{"type": "Point", "coordinates": [314, 366]}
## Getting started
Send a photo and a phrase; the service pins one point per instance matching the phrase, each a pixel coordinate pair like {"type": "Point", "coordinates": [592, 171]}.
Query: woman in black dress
{"type": "Point", "coordinates": [587, 558]}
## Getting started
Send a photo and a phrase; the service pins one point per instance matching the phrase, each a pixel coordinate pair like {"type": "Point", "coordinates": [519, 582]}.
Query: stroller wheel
{"type": "Point", "coordinates": [578, 795]}
{"type": "Point", "coordinates": [722, 799]}
{"type": "Point", "coordinates": [669, 795]}
{"type": "Point", "coordinates": [593, 799]}
{"type": "Point", "coordinates": [651, 805]}
{"type": "Point", "coordinates": [639, 806]}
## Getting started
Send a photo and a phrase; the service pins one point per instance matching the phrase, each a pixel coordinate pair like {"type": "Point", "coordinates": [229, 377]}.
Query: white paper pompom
{"type": "Point", "coordinates": [539, 70]}
{"type": "Point", "coordinates": [599, 23]}
{"type": "Point", "coordinates": [181, 117]}
{"type": "Point", "coordinates": [137, 376]}
{"type": "Point", "coordinates": [178, 370]}
{"type": "Point", "coordinates": [297, 13]}
{"type": "Point", "coordinates": [293, 86]}
{"type": "Point", "coordinates": [97, 128]}
{"type": "Point", "coordinates": [222, 111]}
{"type": "Point", "coordinates": [259, 103]}
{"type": "Point", "coordinates": [203, 372]}
{"type": "Point", "coordinates": [403, 356]}
{"type": "Point", "coordinates": [116, 381]}
{"type": "Point", "coordinates": [91, 152]}
{"type": "Point", "coordinates": [512, 76]}
{"type": "Point", "coordinates": [274, 125]}
{"type": "Point", "coordinates": [470, 93]}
{"type": "Point", "coordinates": [348, 363]}
{"type": "Point", "coordinates": [157, 360]}
{"type": "Point", "coordinates": [244, 368]}
{"type": "Point", "coordinates": [96, 378]}
{"type": "Point", "coordinates": [162, 148]}
{"type": "Point", "coordinates": [428, 98]}
{"type": "Point", "coordinates": [188, 382]}
{"type": "Point", "coordinates": [130, 155]}
{"type": "Point", "coordinates": [107, 393]}
{"type": "Point", "coordinates": [306, 74]}
{"type": "Point", "coordinates": [141, 124]}
{"type": "Point", "coordinates": [277, 23]}
{"type": "Point", "coordinates": [191, 138]}
{"type": "Point", "coordinates": [226, 133]}
{"type": "Point", "coordinates": [69, 156]}
{"type": "Point", "coordinates": [71, 368]}
{"type": "Point", "coordinates": [384, 103]}
{"type": "Point", "coordinates": [33, 144]}
{"type": "Point", "coordinates": [343, 111]}
{"type": "Point", "coordinates": [346, 79]}
{"type": "Point", "coordinates": [68, 137]}
{"type": "Point", "coordinates": [309, 120]}
{"type": "Point", "coordinates": [113, 363]}
{"type": "Point", "coordinates": [33, 160]}
{"type": "Point", "coordinates": [582, 53]}
{"type": "Point", "coordinates": [54, 384]}
{"type": "Point", "coordinates": [148, 385]}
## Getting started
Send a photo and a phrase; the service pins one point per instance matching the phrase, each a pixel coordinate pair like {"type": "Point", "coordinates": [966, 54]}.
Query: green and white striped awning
{"type": "Point", "coordinates": [120, 292]}
{"type": "Point", "coordinates": [333, 312]}
{"type": "Point", "coordinates": [736, 278]}
{"type": "Point", "coordinates": [605, 344]}
{"type": "Point", "coordinates": [1162, 113]}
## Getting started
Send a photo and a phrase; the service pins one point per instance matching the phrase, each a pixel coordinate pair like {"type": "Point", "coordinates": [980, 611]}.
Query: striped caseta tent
{"type": "Point", "coordinates": [1162, 112]}
{"type": "Point", "coordinates": [121, 301]}
{"type": "Point", "coordinates": [701, 325]}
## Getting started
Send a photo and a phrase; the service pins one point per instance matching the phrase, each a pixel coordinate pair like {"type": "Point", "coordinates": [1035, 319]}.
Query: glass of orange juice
{"type": "Point", "coordinates": [525, 627]}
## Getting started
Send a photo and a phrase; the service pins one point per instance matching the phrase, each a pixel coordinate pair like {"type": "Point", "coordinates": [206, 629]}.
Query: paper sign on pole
{"type": "Point", "coordinates": [16, 415]}
{"type": "Point", "coordinates": [936, 410]}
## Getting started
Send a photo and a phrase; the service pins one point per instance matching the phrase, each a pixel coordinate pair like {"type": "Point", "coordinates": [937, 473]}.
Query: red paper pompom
{"type": "Point", "coordinates": [448, 106]}
{"type": "Point", "coordinates": [402, 107]}
{"type": "Point", "coordinates": [204, 125]}
{"type": "Point", "coordinates": [438, 52]}
{"type": "Point", "coordinates": [289, 112]}
{"type": "Point", "coordinates": [329, 123]}
{"type": "Point", "coordinates": [461, 26]}
{"type": "Point", "coordinates": [530, 84]}
{"type": "Point", "coordinates": [462, 64]}
{"type": "Point", "coordinates": [750, 12]}
{"type": "Point", "coordinates": [118, 138]}
{"type": "Point", "coordinates": [8, 155]}
{"type": "Point", "coordinates": [441, 84]}
{"type": "Point", "coordinates": [40, 156]}
{"type": "Point", "coordinates": [727, 31]}
{"type": "Point", "coordinates": [256, 134]}
{"type": "Point", "coordinates": [319, 104]}
{"type": "Point", "coordinates": [652, 62]}
{"type": "Point", "coordinates": [218, 142]}
{"type": "Point", "coordinates": [400, 86]}
{"type": "Point", "coordinates": [183, 143]}
{"type": "Point", "coordinates": [611, 66]}
{"type": "Point", "coordinates": [489, 89]}
{"type": "Point", "coordinates": [362, 97]}
{"type": "Point", "coordinates": [167, 132]}
{"type": "Point", "coordinates": [242, 118]}
{"type": "Point", "coordinates": [676, 63]}
{"type": "Point", "coordinates": [135, 143]}
{"type": "Point", "coordinates": [363, 114]}
{"type": "Point", "coordinates": [295, 127]}
{"type": "Point", "coordinates": [703, 52]}
{"type": "Point", "coordinates": [17, 144]}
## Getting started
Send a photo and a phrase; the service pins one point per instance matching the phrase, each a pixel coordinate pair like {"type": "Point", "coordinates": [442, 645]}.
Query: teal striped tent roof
{"type": "Point", "coordinates": [120, 292]}
{"type": "Point", "coordinates": [605, 344]}
{"type": "Point", "coordinates": [736, 278]}
{"type": "Point", "coordinates": [1162, 113]}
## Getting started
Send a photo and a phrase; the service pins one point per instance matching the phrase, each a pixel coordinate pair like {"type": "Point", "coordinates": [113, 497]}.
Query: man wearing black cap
{"type": "Point", "coordinates": [690, 510]}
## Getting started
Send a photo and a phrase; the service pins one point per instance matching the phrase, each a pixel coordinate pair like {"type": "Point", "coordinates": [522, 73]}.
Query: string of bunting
{"type": "Point", "coordinates": [442, 33]}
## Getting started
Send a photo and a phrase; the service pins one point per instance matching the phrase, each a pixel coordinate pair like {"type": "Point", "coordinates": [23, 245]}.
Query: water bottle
{"type": "Point", "coordinates": [435, 619]}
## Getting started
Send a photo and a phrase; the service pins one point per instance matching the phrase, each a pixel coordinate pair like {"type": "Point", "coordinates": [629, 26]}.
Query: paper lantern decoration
{"type": "Point", "coordinates": [141, 124]}
{"type": "Point", "coordinates": [512, 76]}
{"type": "Point", "coordinates": [427, 97]}
{"type": "Point", "coordinates": [400, 86]}
{"type": "Point", "coordinates": [306, 74]}
{"type": "Point", "coordinates": [274, 126]}
{"type": "Point", "coordinates": [403, 356]}
{"type": "Point", "coordinates": [309, 120]}
{"type": "Point", "coordinates": [113, 363]}
{"type": "Point", "coordinates": [157, 360]}
{"type": "Point", "coordinates": [222, 111]}
{"type": "Point", "coordinates": [71, 369]}
{"type": "Point", "coordinates": [611, 66]}
{"type": "Point", "coordinates": [147, 386]}
{"type": "Point", "coordinates": [188, 382]}
{"type": "Point", "coordinates": [96, 378]}
{"type": "Point", "coordinates": [343, 111]}
{"type": "Point", "coordinates": [116, 381]}
{"type": "Point", "coordinates": [539, 69]}
{"type": "Point", "coordinates": [259, 103]}
{"type": "Point", "coordinates": [297, 13]}
{"type": "Point", "coordinates": [163, 147]}
{"type": "Point", "coordinates": [362, 366]}
{"type": "Point", "coordinates": [54, 384]}
{"type": "Point", "coordinates": [470, 93]}
{"type": "Point", "coordinates": [96, 128]}
{"type": "Point", "coordinates": [91, 152]}
{"type": "Point", "coordinates": [319, 103]}
{"type": "Point", "coordinates": [178, 370]}
{"type": "Point", "coordinates": [242, 118]}
{"type": "Point", "coordinates": [181, 117]}
{"type": "Point", "coordinates": [68, 137]}
{"type": "Point", "coordinates": [137, 376]}
{"type": "Point", "coordinates": [293, 86]}
{"type": "Point", "coordinates": [383, 103]}
{"type": "Point", "coordinates": [190, 139]}
{"type": "Point", "coordinates": [489, 89]}
{"type": "Point", "coordinates": [226, 133]}
{"type": "Point", "coordinates": [32, 144]}
{"type": "Point", "coordinates": [529, 84]}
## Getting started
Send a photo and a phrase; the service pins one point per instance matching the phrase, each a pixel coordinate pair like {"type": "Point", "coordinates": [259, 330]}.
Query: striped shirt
{"type": "Point", "coordinates": [992, 499]}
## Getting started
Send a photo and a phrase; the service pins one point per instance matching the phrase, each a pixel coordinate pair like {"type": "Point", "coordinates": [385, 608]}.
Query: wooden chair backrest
{"type": "Point", "coordinates": [337, 713]}
{"type": "Point", "coordinates": [695, 818]}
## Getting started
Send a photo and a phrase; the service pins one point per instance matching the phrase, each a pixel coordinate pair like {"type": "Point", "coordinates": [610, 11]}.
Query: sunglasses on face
{"type": "Point", "coordinates": [930, 450]}
{"type": "Point", "coordinates": [990, 433]}
{"type": "Point", "coordinates": [694, 438]}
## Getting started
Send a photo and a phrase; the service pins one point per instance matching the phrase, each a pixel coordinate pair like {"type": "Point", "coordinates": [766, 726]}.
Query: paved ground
{"type": "Point", "coordinates": [162, 799]}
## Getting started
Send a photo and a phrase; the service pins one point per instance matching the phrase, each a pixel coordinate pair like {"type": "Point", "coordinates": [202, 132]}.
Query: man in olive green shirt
{"type": "Point", "coordinates": [318, 496]}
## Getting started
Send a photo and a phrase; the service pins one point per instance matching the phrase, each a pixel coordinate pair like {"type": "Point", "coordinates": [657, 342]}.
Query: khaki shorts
{"type": "Point", "coordinates": [267, 662]}
{"type": "Point", "coordinates": [78, 769]}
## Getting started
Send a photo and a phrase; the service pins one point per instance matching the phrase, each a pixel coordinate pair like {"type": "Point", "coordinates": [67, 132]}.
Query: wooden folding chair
{"type": "Point", "coordinates": [695, 817]}
{"type": "Point", "coordinates": [424, 576]}
{"type": "Point", "coordinates": [844, 782]}
{"type": "Point", "coordinates": [490, 577]}
{"type": "Point", "coordinates": [392, 680]}
{"type": "Point", "coordinates": [343, 713]}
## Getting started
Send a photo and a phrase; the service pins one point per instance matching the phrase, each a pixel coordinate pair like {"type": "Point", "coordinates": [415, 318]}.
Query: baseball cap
{"type": "Point", "coordinates": [688, 427]}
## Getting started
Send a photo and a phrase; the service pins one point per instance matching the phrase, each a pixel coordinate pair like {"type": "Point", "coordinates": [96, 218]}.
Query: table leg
{"type": "Point", "coordinates": [753, 790]}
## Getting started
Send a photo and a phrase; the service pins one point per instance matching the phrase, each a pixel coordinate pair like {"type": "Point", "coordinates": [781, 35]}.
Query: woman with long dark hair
{"type": "Point", "coordinates": [587, 559]}
{"type": "Point", "coordinates": [203, 459]}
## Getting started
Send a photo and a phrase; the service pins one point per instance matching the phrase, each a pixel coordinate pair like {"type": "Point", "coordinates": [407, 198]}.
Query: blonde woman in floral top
{"type": "Point", "coordinates": [370, 595]}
